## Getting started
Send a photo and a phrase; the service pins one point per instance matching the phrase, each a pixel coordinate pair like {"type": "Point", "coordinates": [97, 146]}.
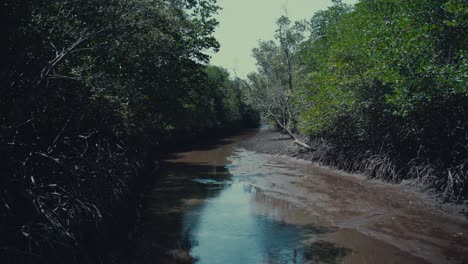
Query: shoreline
{"type": "Point", "coordinates": [403, 216]}
{"type": "Point", "coordinates": [272, 142]}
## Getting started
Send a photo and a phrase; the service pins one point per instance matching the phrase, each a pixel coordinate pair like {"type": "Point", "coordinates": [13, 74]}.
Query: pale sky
{"type": "Point", "coordinates": [243, 22]}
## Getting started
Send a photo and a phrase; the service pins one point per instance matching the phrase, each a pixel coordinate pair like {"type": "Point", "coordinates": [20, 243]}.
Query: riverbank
{"type": "Point", "coordinates": [400, 215]}
{"type": "Point", "coordinates": [276, 143]}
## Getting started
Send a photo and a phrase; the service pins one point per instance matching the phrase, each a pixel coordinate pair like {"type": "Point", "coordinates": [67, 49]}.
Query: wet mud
{"type": "Point", "coordinates": [221, 202]}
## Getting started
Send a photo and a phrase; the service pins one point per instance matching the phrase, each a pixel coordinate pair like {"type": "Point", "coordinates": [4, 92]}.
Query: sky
{"type": "Point", "coordinates": [243, 22]}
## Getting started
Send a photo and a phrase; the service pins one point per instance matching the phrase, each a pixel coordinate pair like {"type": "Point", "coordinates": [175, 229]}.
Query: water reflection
{"type": "Point", "coordinates": [228, 231]}
{"type": "Point", "coordinates": [205, 208]}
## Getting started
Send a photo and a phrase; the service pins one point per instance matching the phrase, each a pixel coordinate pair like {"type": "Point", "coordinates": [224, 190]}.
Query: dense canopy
{"type": "Point", "coordinates": [88, 87]}
{"type": "Point", "coordinates": [383, 82]}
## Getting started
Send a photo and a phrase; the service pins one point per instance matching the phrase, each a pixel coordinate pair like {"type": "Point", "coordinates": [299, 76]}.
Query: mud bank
{"type": "Point", "coordinates": [278, 144]}
{"type": "Point", "coordinates": [399, 216]}
{"type": "Point", "coordinates": [275, 143]}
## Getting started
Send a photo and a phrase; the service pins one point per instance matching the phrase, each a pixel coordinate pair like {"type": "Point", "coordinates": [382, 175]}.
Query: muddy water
{"type": "Point", "coordinates": [221, 204]}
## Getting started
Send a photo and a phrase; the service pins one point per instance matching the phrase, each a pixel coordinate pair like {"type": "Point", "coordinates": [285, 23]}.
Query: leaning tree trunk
{"type": "Point", "coordinates": [278, 122]}
{"type": "Point", "coordinates": [288, 131]}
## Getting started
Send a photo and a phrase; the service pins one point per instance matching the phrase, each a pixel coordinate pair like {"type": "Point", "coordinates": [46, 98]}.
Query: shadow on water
{"type": "Point", "coordinates": [198, 210]}
{"type": "Point", "coordinates": [164, 225]}
{"type": "Point", "coordinates": [325, 252]}
{"type": "Point", "coordinates": [208, 143]}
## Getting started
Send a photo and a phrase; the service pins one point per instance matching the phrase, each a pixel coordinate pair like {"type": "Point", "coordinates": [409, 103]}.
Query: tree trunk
{"type": "Point", "coordinates": [285, 129]}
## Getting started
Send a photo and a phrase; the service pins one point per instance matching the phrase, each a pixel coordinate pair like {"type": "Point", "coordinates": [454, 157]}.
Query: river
{"type": "Point", "coordinates": [219, 203]}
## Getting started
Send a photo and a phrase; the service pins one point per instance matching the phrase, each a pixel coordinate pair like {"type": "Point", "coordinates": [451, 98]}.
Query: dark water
{"type": "Point", "coordinates": [206, 205]}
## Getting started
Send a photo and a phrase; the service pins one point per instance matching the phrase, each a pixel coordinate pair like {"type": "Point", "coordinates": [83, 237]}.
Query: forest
{"type": "Point", "coordinates": [89, 89]}
{"type": "Point", "coordinates": [378, 88]}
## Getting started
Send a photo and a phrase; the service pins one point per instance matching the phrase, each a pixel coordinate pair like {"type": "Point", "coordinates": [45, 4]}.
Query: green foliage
{"type": "Point", "coordinates": [272, 88]}
{"type": "Point", "coordinates": [388, 77]}
{"type": "Point", "coordinates": [87, 87]}
{"type": "Point", "coordinates": [390, 73]}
